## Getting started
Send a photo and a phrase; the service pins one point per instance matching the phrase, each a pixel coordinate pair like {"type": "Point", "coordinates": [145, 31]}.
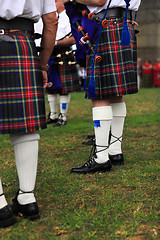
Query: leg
{"type": "Point", "coordinates": [64, 102]}
{"type": "Point", "coordinates": [102, 116]}
{"type": "Point", "coordinates": [3, 201]}
{"type": "Point", "coordinates": [53, 104]}
{"type": "Point", "coordinates": [115, 151]}
{"type": "Point", "coordinates": [6, 213]}
{"type": "Point", "coordinates": [26, 155]}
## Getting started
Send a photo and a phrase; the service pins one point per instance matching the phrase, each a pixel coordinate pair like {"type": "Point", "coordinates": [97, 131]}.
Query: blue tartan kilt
{"type": "Point", "coordinates": [116, 74]}
{"type": "Point", "coordinates": [22, 106]}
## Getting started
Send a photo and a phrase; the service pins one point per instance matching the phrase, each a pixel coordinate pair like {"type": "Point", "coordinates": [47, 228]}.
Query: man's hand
{"type": "Point", "coordinates": [45, 79]}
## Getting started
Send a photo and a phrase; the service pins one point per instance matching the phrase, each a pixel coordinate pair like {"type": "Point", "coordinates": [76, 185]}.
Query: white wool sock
{"type": "Point", "coordinates": [26, 156]}
{"type": "Point", "coordinates": [3, 201]}
{"type": "Point", "coordinates": [102, 117]}
{"type": "Point", "coordinates": [64, 101]}
{"type": "Point", "coordinates": [119, 113]}
{"type": "Point", "coordinates": [53, 104]}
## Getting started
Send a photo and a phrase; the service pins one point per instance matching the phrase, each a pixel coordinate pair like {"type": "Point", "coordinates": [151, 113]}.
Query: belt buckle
{"type": "Point", "coordinates": [1, 31]}
{"type": "Point", "coordinates": [4, 37]}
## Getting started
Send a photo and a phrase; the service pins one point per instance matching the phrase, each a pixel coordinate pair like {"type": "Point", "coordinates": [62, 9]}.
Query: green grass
{"type": "Point", "coordinates": [121, 204]}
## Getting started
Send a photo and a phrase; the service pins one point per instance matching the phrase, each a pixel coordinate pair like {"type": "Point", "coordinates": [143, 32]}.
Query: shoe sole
{"type": "Point", "coordinates": [60, 125]}
{"type": "Point", "coordinates": [20, 214]}
{"type": "Point", "coordinates": [89, 142]}
{"type": "Point", "coordinates": [8, 222]}
{"type": "Point", "coordinates": [51, 122]}
{"type": "Point", "coordinates": [99, 171]}
{"type": "Point", "coordinates": [117, 164]}
{"type": "Point", "coordinates": [32, 218]}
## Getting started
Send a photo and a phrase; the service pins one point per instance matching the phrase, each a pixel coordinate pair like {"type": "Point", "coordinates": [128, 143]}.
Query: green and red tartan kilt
{"type": "Point", "coordinates": [22, 106]}
{"type": "Point", "coordinates": [67, 73]}
{"type": "Point", "coordinates": [116, 74]}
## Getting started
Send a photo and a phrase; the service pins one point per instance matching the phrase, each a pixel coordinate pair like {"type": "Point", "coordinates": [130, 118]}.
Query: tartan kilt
{"type": "Point", "coordinates": [67, 73]}
{"type": "Point", "coordinates": [116, 74]}
{"type": "Point", "coordinates": [22, 106]}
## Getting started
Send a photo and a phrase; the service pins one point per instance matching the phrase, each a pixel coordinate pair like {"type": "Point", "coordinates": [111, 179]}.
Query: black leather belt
{"type": "Point", "coordinates": [18, 23]}
{"type": "Point", "coordinates": [115, 13]}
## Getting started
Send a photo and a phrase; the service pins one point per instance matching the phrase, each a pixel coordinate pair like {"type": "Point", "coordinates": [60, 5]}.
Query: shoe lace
{"type": "Point", "coordinates": [49, 115]}
{"type": "Point", "coordinates": [59, 121]}
{"type": "Point", "coordinates": [94, 151]}
{"type": "Point", "coordinates": [116, 139]}
{"type": "Point", "coordinates": [89, 162]}
{"type": "Point", "coordinates": [60, 118]}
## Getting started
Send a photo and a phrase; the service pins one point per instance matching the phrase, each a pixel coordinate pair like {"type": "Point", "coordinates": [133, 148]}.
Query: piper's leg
{"type": "Point", "coordinates": [64, 102]}
{"type": "Point", "coordinates": [99, 162]}
{"type": "Point", "coordinates": [6, 213]}
{"type": "Point", "coordinates": [53, 104]}
{"type": "Point", "coordinates": [26, 156]}
{"type": "Point", "coordinates": [103, 116]}
{"type": "Point", "coordinates": [119, 114]}
{"type": "Point", "coordinates": [3, 201]}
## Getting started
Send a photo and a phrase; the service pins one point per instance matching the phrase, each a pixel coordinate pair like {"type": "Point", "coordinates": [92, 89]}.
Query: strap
{"type": "Point", "coordinates": [117, 12]}
{"type": "Point", "coordinates": [127, 1]}
{"type": "Point", "coordinates": [1, 194]}
{"type": "Point", "coordinates": [23, 192]}
{"type": "Point", "coordinates": [92, 153]}
{"type": "Point", "coordinates": [126, 36]}
{"type": "Point", "coordinates": [117, 139]}
{"type": "Point", "coordinates": [105, 148]}
{"type": "Point", "coordinates": [23, 24]}
{"type": "Point", "coordinates": [91, 86]}
{"type": "Point", "coordinates": [94, 150]}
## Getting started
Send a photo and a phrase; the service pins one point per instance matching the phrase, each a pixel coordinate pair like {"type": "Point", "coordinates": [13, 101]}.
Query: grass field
{"type": "Point", "coordinates": [122, 204]}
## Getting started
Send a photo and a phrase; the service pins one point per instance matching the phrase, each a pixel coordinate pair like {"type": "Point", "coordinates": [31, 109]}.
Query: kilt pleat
{"type": "Point", "coordinates": [68, 74]}
{"type": "Point", "coordinates": [116, 74]}
{"type": "Point", "coordinates": [22, 107]}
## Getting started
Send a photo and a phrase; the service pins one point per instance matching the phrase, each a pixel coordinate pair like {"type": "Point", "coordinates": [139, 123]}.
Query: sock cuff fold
{"type": "Point", "coordinates": [64, 98]}
{"type": "Point", "coordinates": [23, 137]}
{"type": "Point", "coordinates": [53, 97]}
{"type": "Point", "coordinates": [119, 109]}
{"type": "Point", "coordinates": [102, 113]}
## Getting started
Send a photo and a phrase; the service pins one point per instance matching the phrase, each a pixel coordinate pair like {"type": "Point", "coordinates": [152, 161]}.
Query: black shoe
{"type": "Point", "coordinates": [91, 141]}
{"type": "Point", "coordinates": [117, 159]}
{"type": "Point", "coordinates": [60, 123]}
{"type": "Point", "coordinates": [92, 166]}
{"type": "Point", "coordinates": [6, 217]}
{"type": "Point", "coordinates": [30, 210]}
{"type": "Point", "coordinates": [49, 120]}
{"type": "Point", "coordinates": [91, 136]}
